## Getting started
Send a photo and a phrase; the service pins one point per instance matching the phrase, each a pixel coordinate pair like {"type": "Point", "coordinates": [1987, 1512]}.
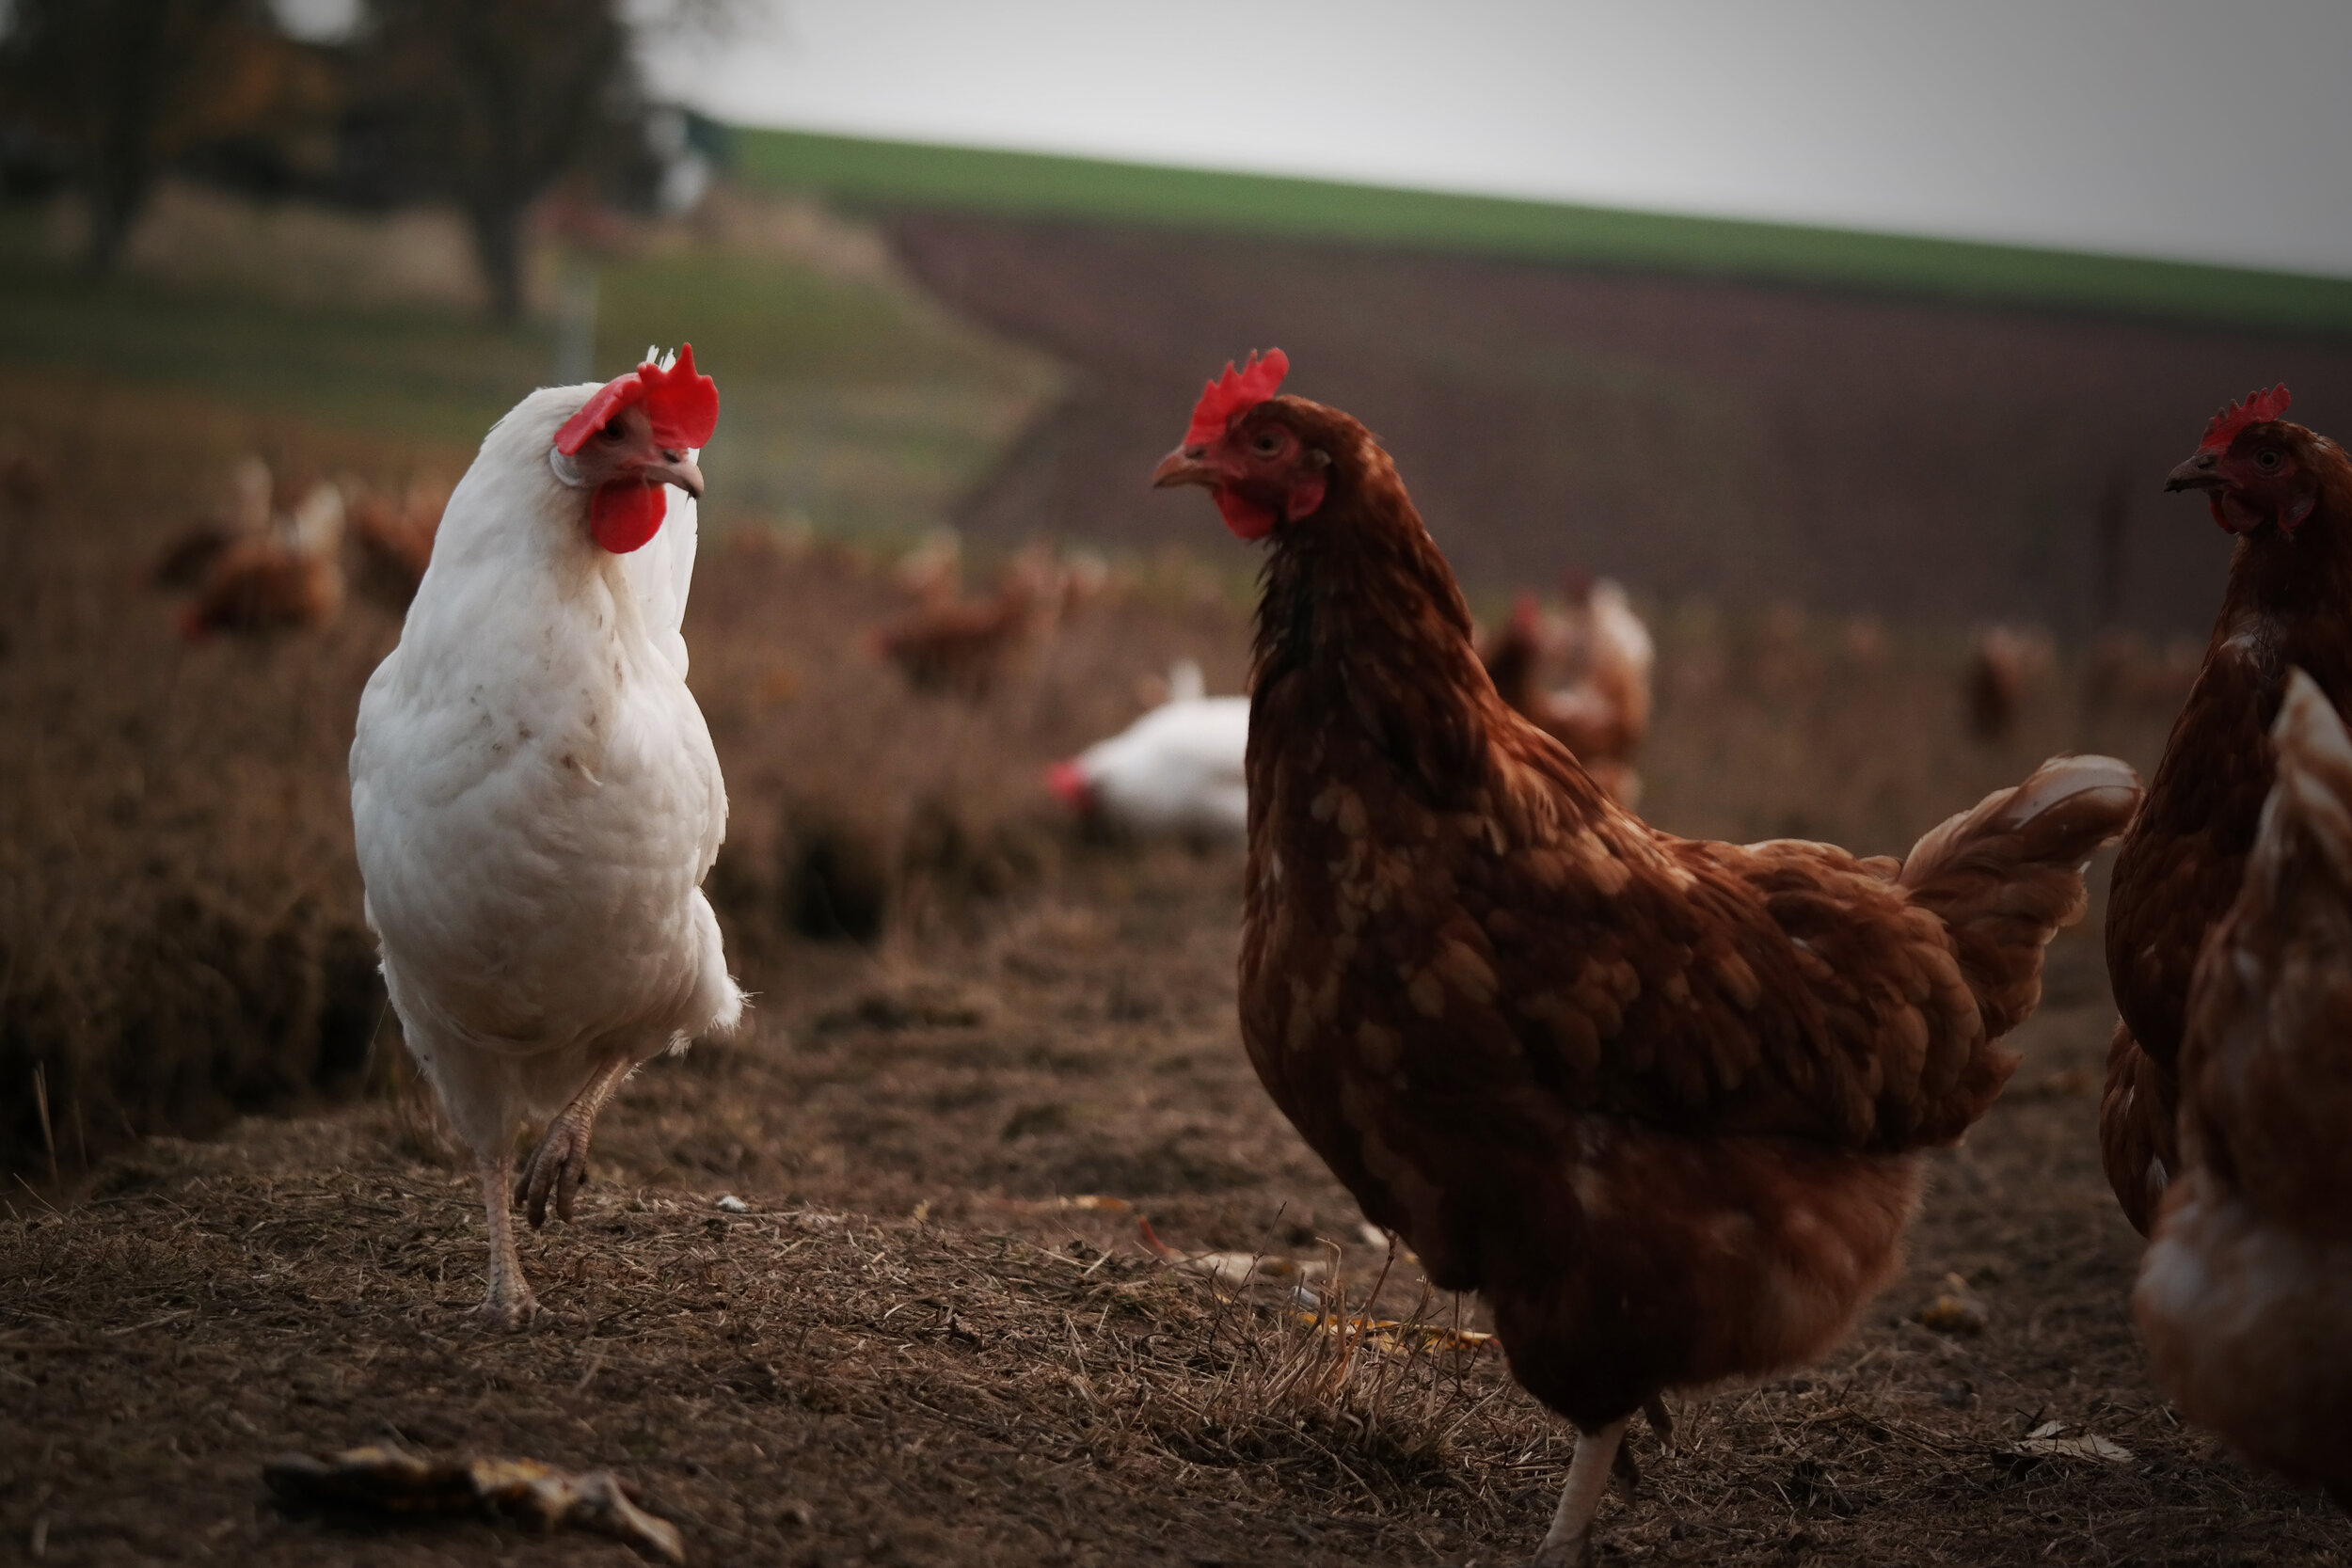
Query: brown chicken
{"type": "Point", "coordinates": [960, 647]}
{"type": "Point", "coordinates": [289, 577]}
{"type": "Point", "coordinates": [188, 558]}
{"type": "Point", "coordinates": [395, 538]}
{"type": "Point", "coordinates": [2246, 1286]}
{"type": "Point", "coordinates": [2287, 494]}
{"type": "Point", "coordinates": [1603, 716]}
{"type": "Point", "coordinates": [1660, 1101]}
{"type": "Point", "coordinates": [2004, 663]}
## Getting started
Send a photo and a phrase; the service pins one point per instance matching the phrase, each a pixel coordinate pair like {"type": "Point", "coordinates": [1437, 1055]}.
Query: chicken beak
{"type": "Point", "coordinates": [2198, 473]}
{"type": "Point", "coordinates": [679, 470]}
{"type": "Point", "coordinates": [1183, 466]}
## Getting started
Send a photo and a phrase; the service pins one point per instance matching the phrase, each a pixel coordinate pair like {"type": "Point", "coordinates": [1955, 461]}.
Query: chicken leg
{"type": "Point", "coordinates": [559, 1165]}
{"type": "Point", "coordinates": [1568, 1543]}
{"type": "Point", "coordinates": [510, 1303]}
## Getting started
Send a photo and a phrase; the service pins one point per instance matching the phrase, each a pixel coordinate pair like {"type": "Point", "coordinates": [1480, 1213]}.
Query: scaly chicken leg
{"type": "Point", "coordinates": [1568, 1543]}
{"type": "Point", "coordinates": [510, 1303]}
{"type": "Point", "coordinates": [559, 1166]}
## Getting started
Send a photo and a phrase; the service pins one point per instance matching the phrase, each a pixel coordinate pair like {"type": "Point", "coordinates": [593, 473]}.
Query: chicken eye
{"type": "Point", "coordinates": [1266, 444]}
{"type": "Point", "coordinates": [611, 433]}
{"type": "Point", "coordinates": [2267, 460]}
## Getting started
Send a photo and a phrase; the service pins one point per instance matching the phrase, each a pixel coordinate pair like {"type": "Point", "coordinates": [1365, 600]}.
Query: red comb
{"type": "Point", "coordinates": [1236, 392]}
{"type": "Point", "coordinates": [2258, 407]}
{"type": "Point", "coordinates": [683, 406]}
{"type": "Point", "coordinates": [1069, 784]}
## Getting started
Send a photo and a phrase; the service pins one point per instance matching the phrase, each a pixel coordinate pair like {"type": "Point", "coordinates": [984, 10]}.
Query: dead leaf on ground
{"type": "Point", "coordinates": [386, 1481]}
{"type": "Point", "coordinates": [2044, 1442]}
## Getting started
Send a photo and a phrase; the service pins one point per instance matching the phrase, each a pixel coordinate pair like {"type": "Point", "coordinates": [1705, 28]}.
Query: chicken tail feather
{"type": "Point", "coordinates": [2005, 877]}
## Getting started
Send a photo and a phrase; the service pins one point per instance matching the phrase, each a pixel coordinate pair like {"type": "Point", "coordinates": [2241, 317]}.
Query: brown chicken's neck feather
{"type": "Point", "coordinates": [1358, 602]}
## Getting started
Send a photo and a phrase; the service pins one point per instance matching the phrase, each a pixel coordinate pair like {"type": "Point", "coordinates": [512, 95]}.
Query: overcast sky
{"type": "Point", "coordinates": [2163, 127]}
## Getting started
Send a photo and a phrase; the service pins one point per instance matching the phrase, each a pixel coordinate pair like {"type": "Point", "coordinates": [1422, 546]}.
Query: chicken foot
{"type": "Point", "coordinates": [510, 1303]}
{"type": "Point", "coordinates": [1627, 1471]}
{"type": "Point", "coordinates": [1569, 1541]}
{"type": "Point", "coordinates": [559, 1166]}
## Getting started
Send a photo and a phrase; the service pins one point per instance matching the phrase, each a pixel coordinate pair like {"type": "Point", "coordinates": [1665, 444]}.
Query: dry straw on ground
{"type": "Point", "coordinates": [908, 1346]}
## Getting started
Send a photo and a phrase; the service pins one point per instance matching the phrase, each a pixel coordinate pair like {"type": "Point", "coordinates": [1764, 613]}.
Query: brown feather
{"type": "Point", "coordinates": [2248, 1281]}
{"type": "Point", "coordinates": [2288, 604]}
{"type": "Point", "coordinates": [1658, 1099]}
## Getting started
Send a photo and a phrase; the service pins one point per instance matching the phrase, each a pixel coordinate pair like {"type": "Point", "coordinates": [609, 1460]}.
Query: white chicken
{"type": "Point", "coordinates": [1176, 769]}
{"type": "Point", "coordinates": [533, 792]}
{"type": "Point", "coordinates": [2246, 1289]}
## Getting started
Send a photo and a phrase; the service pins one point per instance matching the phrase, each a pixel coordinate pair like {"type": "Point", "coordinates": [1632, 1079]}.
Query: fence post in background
{"type": "Point", "coordinates": [575, 324]}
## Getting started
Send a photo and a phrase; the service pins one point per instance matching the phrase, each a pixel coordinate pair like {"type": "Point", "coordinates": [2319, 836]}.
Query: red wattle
{"type": "Point", "coordinates": [2233, 515]}
{"type": "Point", "coordinates": [624, 515]}
{"type": "Point", "coordinates": [1248, 519]}
{"type": "Point", "coordinates": [1305, 498]}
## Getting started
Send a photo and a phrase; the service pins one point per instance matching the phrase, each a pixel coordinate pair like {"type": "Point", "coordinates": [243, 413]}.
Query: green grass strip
{"type": "Point", "coordinates": [885, 174]}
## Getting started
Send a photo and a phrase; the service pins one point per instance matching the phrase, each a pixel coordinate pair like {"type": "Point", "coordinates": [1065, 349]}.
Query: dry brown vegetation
{"type": "Point", "coordinates": [912, 1348]}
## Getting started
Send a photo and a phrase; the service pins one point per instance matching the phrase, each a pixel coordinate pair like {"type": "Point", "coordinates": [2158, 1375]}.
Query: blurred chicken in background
{"type": "Point", "coordinates": [286, 576]}
{"type": "Point", "coordinates": [2003, 664]}
{"type": "Point", "coordinates": [185, 560]}
{"type": "Point", "coordinates": [931, 574]}
{"type": "Point", "coordinates": [1176, 769]}
{"type": "Point", "coordinates": [395, 538]}
{"type": "Point", "coordinates": [962, 648]}
{"type": "Point", "coordinates": [1602, 714]}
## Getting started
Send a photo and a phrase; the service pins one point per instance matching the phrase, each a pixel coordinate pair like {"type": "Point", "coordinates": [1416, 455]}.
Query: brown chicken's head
{"type": "Point", "coordinates": [631, 439]}
{"type": "Point", "coordinates": [1261, 457]}
{"type": "Point", "coordinates": [2254, 467]}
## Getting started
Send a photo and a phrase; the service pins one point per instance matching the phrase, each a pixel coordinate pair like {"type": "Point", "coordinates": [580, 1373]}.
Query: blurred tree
{"type": "Point", "coordinates": [499, 100]}
{"type": "Point", "coordinates": [124, 87]}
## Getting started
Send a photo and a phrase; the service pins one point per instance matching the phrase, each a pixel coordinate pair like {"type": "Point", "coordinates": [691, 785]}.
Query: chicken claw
{"type": "Point", "coordinates": [558, 1166]}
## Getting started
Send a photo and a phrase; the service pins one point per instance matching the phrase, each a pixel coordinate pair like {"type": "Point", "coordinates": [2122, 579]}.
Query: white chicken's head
{"type": "Point", "coordinates": [635, 435]}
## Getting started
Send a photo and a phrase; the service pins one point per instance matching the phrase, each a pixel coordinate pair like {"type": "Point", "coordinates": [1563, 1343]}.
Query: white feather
{"type": "Point", "coordinates": [534, 796]}
{"type": "Point", "coordinates": [1179, 768]}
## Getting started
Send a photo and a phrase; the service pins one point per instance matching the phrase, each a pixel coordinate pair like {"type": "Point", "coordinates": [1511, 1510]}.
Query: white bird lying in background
{"type": "Point", "coordinates": [533, 791]}
{"type": "Point", "coordinates": [1176, 769]}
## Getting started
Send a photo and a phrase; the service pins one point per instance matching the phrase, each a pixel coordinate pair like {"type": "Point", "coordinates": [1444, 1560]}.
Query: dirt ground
{"type": "Point", "coordinates": [1746, 441]}
{"type": "Point", "coordinates": [905, 1354]}
{"type": "Point", "coordinates": [933, 1333]}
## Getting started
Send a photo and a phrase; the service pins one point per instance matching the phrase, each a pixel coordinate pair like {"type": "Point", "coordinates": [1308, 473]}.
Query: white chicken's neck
{"type": "Point", "coordinates": [517, 577]}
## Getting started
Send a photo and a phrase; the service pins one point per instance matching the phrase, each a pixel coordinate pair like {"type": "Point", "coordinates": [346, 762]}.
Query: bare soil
{"type": "Point", "coordinates": [914, 1345]}
{"type": "Point", "coordinates": [1746, 442]}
